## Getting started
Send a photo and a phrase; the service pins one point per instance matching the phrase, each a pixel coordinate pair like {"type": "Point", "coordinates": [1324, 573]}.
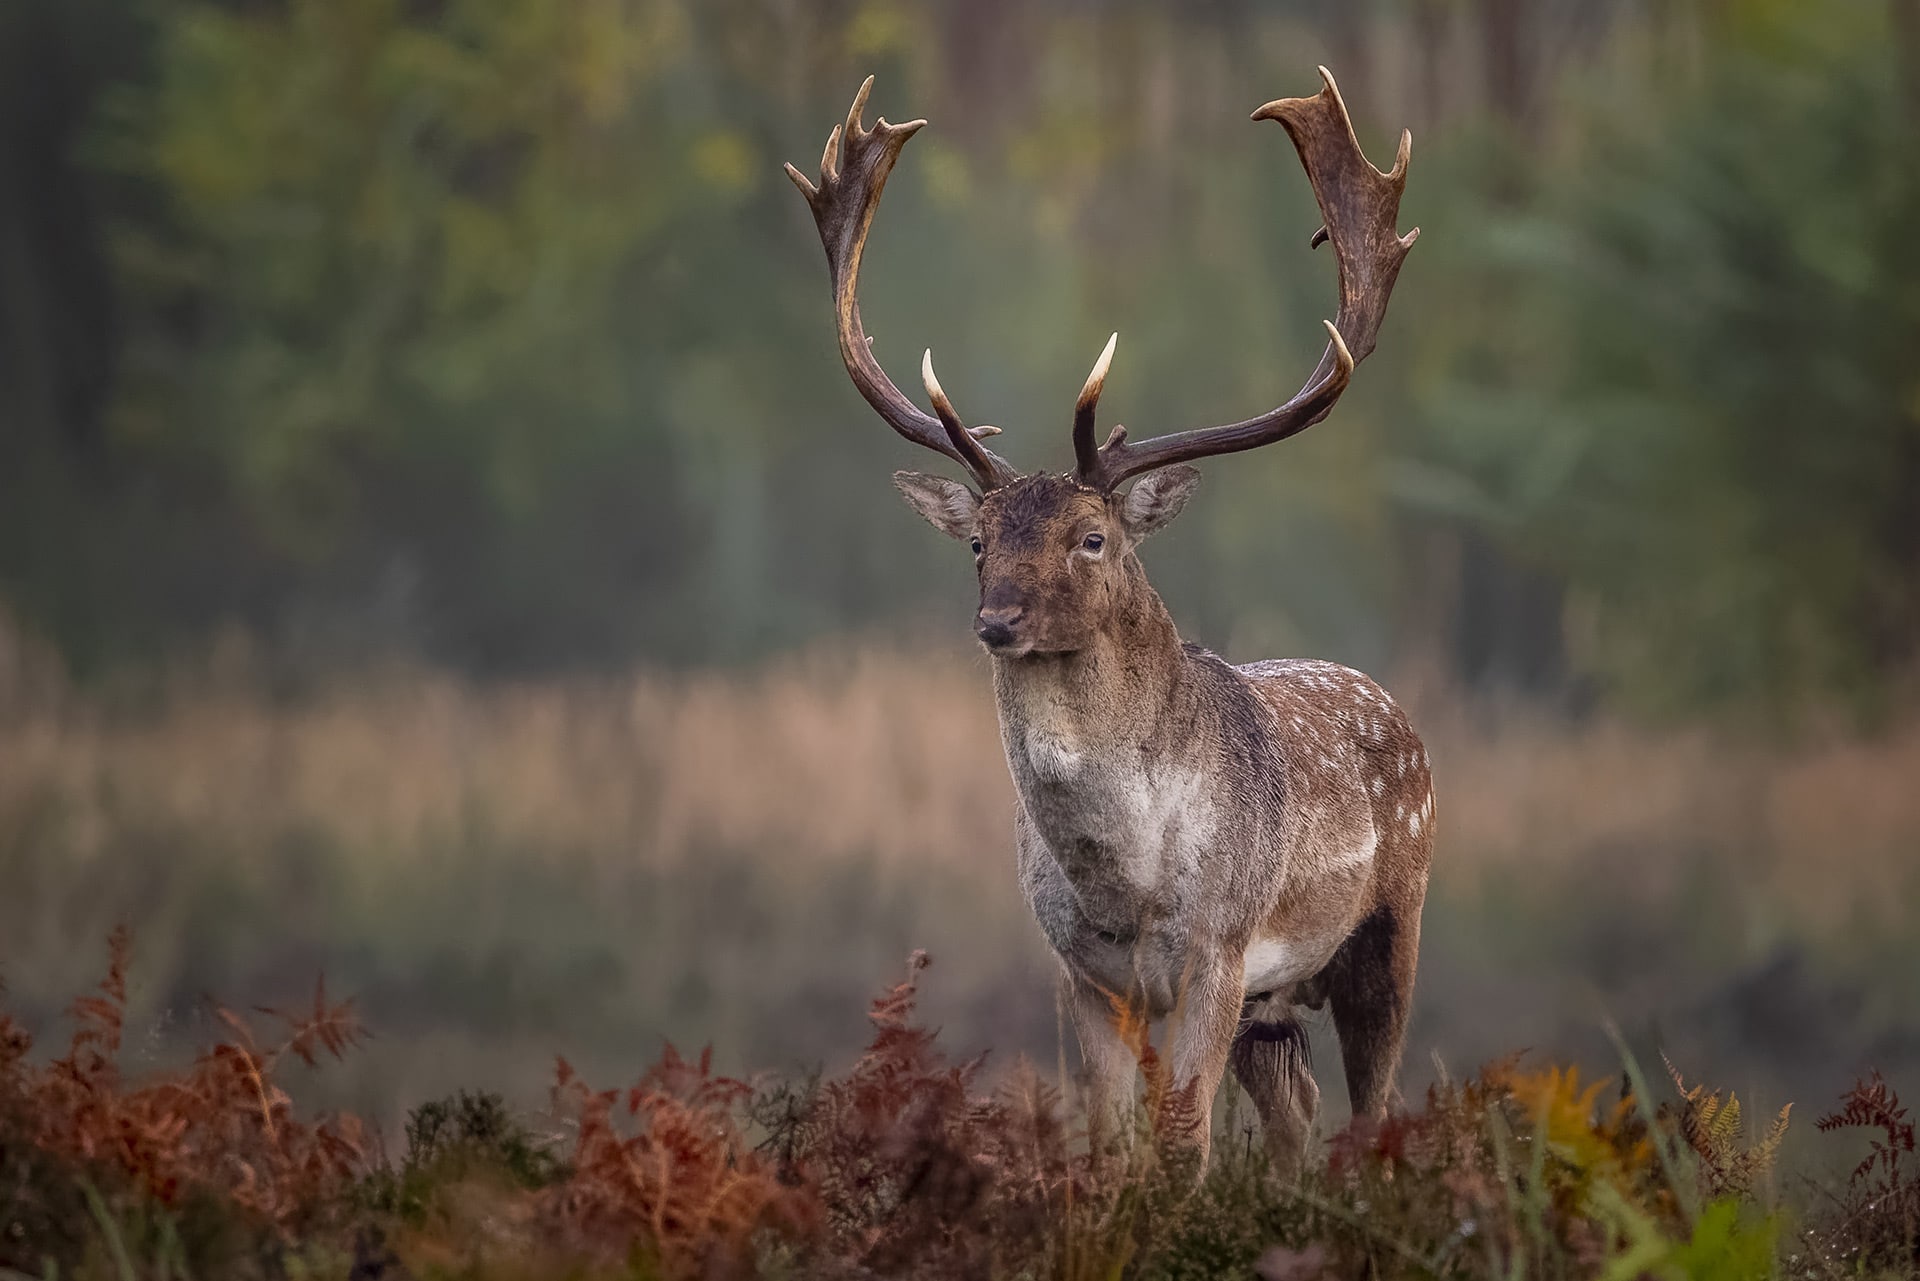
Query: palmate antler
{"type": "Point", "coordinates": [853, 170]}
{"type": "Point", "coordinates": [1361, 206]}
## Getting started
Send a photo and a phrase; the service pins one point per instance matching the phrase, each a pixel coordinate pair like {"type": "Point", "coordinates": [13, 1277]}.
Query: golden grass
{"type": "Point", "coordinates": [861, 752]}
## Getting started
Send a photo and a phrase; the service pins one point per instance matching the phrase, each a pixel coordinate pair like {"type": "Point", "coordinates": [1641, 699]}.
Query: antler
{"type": "Point", "coordinates": [853, 170]}
{"type": "Point", "coordinates": [1360, 205]}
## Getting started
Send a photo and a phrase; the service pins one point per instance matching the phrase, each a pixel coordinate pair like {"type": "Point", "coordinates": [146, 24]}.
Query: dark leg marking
{"type": "Point", "coordinates": [1370, 984]}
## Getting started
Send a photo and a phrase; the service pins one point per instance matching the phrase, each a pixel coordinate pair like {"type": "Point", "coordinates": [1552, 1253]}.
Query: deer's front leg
{"type": "Point", "coordinates": [1111, 1068]}
{"type": "Point", "coordinates": [1205, 1020]}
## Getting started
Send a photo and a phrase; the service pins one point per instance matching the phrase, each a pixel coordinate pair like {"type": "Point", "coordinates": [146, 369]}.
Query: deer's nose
{"type": "Point", "coordinates": [994, 626]}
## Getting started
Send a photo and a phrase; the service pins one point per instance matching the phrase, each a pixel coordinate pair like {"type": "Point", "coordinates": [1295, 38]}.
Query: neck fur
{"type": "Point", "coordinates": [1124, 680]}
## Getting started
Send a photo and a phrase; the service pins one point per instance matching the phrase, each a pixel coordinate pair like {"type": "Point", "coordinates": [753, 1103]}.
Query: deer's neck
{"type": "Point", "coordinates": [1104, 747]}
{"type": "Point", "coordinates": [1062, 714]}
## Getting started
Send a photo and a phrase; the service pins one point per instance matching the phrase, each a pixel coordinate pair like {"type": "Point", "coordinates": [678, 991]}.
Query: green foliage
{"type": "Point", "coordinates": [463, 1137]}
{"type": "Point", "coordinates": [489, 330]}
{"type": "Point", "coordinates": [1729, 1242]}
{"type": "Point", "coordinates": [1693, 397]}
{"type": "Point", "coordinates": [395, 230]}
{"type": "Point", "coordinates": [477, 1123]}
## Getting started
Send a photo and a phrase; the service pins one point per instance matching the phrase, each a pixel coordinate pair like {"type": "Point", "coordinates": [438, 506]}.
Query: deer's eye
{"type": "Point", "coordinates": [978, 546]}
{"type": "Point", "coordinates": [1093, 543]}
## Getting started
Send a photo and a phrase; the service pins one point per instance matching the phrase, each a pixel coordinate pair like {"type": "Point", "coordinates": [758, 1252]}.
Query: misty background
{"type": "Point", "coordinates": [440, 546]}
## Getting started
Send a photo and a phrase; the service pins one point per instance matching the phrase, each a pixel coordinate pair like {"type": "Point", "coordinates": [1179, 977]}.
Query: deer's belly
{"type": "Point", "coordinates": [1272, 964]}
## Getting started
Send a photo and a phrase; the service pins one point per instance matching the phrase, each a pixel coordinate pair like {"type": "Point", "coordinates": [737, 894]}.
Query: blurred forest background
{"type": "Point", "coordinates": [439, 544]}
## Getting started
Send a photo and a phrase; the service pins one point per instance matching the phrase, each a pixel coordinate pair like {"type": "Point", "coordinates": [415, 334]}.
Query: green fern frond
{"type": "Point", "coordinates": [1714, 1130]}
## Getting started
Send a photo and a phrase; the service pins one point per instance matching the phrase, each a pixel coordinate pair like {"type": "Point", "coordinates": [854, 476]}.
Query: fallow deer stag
{"type": "Point", "coordinates": [1216, 843]}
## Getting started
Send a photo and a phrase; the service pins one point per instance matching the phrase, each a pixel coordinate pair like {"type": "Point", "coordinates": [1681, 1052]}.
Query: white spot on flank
{"type": "Point", "coordinates": [1379, 785]}
{"type": "Point", "coordinates": [1357, 857]}
{"type": "Point", "coordinates": [1413, 825]}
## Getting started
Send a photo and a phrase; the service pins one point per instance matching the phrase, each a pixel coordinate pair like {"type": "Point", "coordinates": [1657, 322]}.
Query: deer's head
{"type": "Point", "coordinates": [1055, 552]}
{"type": "Point", "coordinates": [1055, 556]}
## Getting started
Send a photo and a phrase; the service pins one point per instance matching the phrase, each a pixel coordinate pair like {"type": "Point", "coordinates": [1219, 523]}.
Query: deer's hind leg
{"type": "Point", "coordinates": [1271, 1062]}
{"type": "Point", "coordinates": [1370, 985]}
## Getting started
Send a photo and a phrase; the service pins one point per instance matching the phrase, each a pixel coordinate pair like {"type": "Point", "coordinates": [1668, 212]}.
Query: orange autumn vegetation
{"type": "Point", "coordinates": [222, 1126]}
{"type": "Point", "coordinates": [908, 1164]}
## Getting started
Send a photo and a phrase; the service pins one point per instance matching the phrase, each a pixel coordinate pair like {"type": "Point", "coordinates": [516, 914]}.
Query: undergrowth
{"type": "Point", "coordinates": [908, 1164]}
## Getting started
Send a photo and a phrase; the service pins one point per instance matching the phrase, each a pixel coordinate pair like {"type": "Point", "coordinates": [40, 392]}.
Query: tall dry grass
{"type": "Point", "coordinates": [865, 753]}
{"type": "Point", "coordinates": [504, 869]}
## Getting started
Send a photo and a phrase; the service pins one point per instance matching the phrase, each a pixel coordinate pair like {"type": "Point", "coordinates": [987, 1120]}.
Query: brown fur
{"type": "Point", "coordinates": [1187, 827]}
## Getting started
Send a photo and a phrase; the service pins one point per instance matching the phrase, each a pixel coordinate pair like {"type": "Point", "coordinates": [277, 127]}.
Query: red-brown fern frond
{"type": "Point", "coordinates": [675, 1177]}
{"type": "Point", "coordinates": [333, 1027]}
{"type": "Point", "coordinates": [1872, 1105]}
{"type": "Point", "coordinates": [222, 1126]}
{"type": "Point", "coordinates": [100, 1020]}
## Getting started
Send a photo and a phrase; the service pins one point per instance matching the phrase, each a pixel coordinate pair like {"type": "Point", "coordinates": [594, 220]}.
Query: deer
{"type": "Point", "coordinates": [1211, 846]}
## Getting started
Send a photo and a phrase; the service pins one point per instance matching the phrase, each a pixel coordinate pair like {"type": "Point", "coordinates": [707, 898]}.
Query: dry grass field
{"type": "Point", "coordinates": [507, 870]}
{"type": "Point", "coordinates": [865, 754]}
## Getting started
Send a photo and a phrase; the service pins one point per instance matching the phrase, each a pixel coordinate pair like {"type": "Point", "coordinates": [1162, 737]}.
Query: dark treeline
{"type": "Point", "coordinates": [488, 331]}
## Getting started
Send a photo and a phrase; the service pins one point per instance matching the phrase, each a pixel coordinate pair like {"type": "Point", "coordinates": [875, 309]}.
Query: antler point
{"type": "Point", "coordinates": [830, 158]}
{"type": "Point", "coordinates": [859, 106]}
{"type": "Point", "coordinates": [801, 181]}
{"type": "Point", "coordinates": [1097, 380]}
{"type": "Point", "coordinates": [927, 379]}
{"type": "Point", "coordinates": [1341, 353]}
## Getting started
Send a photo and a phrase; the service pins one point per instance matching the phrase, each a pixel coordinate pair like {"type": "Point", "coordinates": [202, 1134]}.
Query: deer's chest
{"type": "Point", "coordinates": [1126, 829]}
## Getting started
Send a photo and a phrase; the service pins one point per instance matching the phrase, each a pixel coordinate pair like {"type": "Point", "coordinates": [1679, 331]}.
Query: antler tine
{"type": "Point", "coordinates": [1085, 452]}
{"type": "Point", "coordinates": [853, 171]}
{"type": "Point", "coordinates": [1361, 206]}
{"type": "Point", "coordinates": [963, 438]}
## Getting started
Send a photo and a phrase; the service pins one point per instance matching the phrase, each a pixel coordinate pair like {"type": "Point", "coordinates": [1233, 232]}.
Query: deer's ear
{"type": "Point", "coordinates": [949, 506]}
{"type": "Point", "coordinates": [1156, 498]}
